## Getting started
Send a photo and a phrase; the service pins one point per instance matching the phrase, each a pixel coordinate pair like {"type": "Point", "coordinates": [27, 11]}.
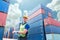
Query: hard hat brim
{"type": "Point", "coordinates": [25, 17]}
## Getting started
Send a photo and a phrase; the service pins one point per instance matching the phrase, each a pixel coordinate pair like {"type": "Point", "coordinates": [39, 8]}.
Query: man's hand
{"type": "Point", "coordinates": [13, 32]}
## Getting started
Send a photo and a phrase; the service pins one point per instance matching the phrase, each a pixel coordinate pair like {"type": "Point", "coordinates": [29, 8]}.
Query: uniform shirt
{"type": "Point", "coordinates": [27, 27]}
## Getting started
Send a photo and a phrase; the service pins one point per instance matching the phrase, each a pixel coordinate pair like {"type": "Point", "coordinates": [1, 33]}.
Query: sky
{"type": "Point", "coordinates": [18, 7]}
{"type": "Point", "coordinates": [14, 13]}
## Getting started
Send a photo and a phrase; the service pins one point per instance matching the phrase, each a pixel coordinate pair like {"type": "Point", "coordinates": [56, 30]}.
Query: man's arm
{"type": "Point", "coordinates": [23, 32]}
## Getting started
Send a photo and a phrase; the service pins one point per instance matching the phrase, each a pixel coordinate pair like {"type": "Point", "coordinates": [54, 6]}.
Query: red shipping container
{"type": "Point", "coordinates": [3, 17]}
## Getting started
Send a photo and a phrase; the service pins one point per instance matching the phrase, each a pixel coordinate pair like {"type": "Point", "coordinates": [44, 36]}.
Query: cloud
{"type": "Point", "coordinates": [19, 1]}
{"type": "Point", "coordinates": [14, 14]}
{"type": "Point", "coordinates": [55, 6]}
{"type": "Point", "coordinates": [25, 13]}
{"type": "Point", "coordinates": [16, 1]}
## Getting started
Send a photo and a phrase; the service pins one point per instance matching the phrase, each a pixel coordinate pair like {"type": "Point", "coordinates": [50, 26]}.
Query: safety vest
{"type": "Point", "coordinates": [22, 27]}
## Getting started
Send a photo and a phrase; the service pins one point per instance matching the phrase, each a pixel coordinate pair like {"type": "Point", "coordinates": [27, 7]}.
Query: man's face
{"type": "Point", "coordinates": [25, 19]}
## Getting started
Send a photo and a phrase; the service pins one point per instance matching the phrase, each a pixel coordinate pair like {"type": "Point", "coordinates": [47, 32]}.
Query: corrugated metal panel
{"type": "Point", "coordinates": [36, 13]}
{"type": "Point", "coordinates": [4, 6]}
{"type": "Point", "coordinates": [3, 17]}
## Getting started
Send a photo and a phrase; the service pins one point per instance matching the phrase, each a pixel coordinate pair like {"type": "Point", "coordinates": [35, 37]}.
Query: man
{"type": "Point", "coordinates": [22, 33]}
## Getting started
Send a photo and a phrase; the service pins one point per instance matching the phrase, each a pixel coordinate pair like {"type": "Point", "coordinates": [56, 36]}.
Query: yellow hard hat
{"type": "Point", "coordinates": [25, 17]}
